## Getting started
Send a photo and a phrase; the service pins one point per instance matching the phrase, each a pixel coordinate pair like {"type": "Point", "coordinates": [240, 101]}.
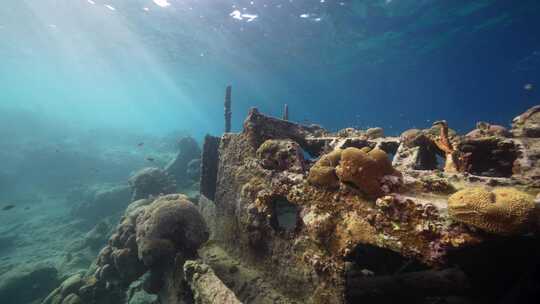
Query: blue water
{"type": "Point", "coordinates": [395, 64]}
{"type": "Point", "coordinates": [90, 90]}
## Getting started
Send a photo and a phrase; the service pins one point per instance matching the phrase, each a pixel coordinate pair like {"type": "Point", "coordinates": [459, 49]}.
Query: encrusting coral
{"type": "Point", "coordinates": [365, 170]}
{"type": "Point", "coordinates": [484, 129]}
{"type": "Point", "coordinates": [281, 155]}
{"type": "Point", "coordinates": [527, 124]}
{"type": "Point", "coordinates": [503, 211]}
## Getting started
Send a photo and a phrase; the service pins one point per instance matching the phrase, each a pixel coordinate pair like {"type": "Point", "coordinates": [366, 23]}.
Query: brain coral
{"type": "Point", "coordinates": [323, 173]}
{"type": "Point", "coordinates": [281, 155]}
{"type": "Point", "coordinates": [501, 211]}
{"type": "Point", "coordinates": [365, 170]}
{"type": "Point", "coordinates": [170, 224]}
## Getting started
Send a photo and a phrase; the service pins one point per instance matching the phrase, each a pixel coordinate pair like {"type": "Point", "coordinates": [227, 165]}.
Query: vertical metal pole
{"type": "Point", "coordinates": [228, 112]}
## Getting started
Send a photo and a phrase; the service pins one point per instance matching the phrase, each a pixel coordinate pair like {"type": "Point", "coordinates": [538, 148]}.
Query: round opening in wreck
{"type": "Point", "coordinates": [284, 216]}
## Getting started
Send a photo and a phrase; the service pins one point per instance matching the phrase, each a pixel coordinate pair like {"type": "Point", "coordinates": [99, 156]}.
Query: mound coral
{"type": "Point", "coordinates": [170, 224]}
{"type": "Point", "coordinates": [374, 133]}
{"type": "Point", "coordinates": [281, 155]}
{"type": "Point", "coordinates": [323, 173]}
{"type": "Point", "coordinates": [484, 129]}
{"type": "Point", "coordinates": [365, 170]}
{"type": "Point", "coordinates": [150, 238]}
{"type": "Point", "coordinates": [503, 211]}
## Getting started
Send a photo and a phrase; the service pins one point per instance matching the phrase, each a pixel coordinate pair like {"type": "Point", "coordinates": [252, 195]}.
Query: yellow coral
{"type": "Point", "coordinates": [382, 161]}
{"type": "Point", "coordinates": [364, 170]}
{"type": "Point", "coordinates": [323, 172]}
{"type": "Point", "coordinates": [351, 231]}
{"type": "Point", "coordinates": [366, 149]}
{"type": "Point", "coordinates": [502, 211]}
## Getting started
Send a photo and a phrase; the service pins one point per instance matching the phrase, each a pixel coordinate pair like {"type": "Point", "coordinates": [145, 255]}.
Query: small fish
{"type": "Point", "coordinates": [150, 159]}
{"type": "Point", "coordinates": [528, 87]}
{"type": "Point", "coordinates": [8, 207]}
{"type": "Point", "coordinates": [140, 144]}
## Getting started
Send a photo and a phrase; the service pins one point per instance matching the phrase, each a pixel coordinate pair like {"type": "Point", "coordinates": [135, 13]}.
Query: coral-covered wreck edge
{"type": "Point", "coordinates": [296, 214]}
{"type": "Point", "coordinates": [317, 244]}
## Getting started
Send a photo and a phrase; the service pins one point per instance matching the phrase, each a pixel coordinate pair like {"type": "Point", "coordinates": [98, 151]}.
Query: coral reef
{"type": "Point", "coordinates": [488, 156]}
{"type": "Point", "coordinates": [484, 129]}
{"type": "Point", "coordinates": [351, 227]}
{"type": "Point", "coordinates": [151, 182]}
{"type": "Point", "coordinates": [117, 264]}
{"type": "Point", "coordinates": [300, 228]}
{"type": "Point", "coordinates": [488, 152]}
{"type": "Point", "coordinates": [281, 155]}
{"type": "Point", "coordinates": [68, 203]}
{"type": "Point", "coordinates": [170, 224]}
{"type": "Point", "coordinates": [151, 237]}
{"type": "Point", "coordinates": [323, 173]}
{"type": "Point", "coordinates": [367, 171]}
{"type": "Point", "coordinates": [66, 292]}
{"type": "Point", "coordinates": [416, 151]}
{"type": "Point", "coordinates": [503, 211]}
{"type": "Point", "coordinates": [527, 124]}
{"type": "Point", "coordinates": [374, 133]}
{"type": "Point", "coordinates": [444, 144]}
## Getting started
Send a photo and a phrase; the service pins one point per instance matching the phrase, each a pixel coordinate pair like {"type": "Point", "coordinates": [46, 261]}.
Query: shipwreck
{"type": "Point", "coordinates": [289, 213]}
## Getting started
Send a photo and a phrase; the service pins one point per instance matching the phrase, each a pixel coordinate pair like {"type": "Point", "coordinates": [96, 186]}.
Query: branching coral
{"type": "Point", "coordinates": [444, 144]}
{"type": "Point", "coordinates": [502, 211]}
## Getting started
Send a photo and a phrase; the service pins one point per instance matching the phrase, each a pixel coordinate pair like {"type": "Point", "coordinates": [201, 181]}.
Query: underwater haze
{"type": "Point", "coordinates": [93, 92]}
{"type": "Point", "coordinates": [161, 65]}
